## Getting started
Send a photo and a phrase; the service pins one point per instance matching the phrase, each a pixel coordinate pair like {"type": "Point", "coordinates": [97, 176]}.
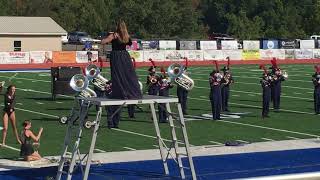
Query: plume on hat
{"type": "Point", "coordinates": [152, 62]}
{"type": "Point", "coordinates": [228, 62]}
{"type": "Point", "coordinates": [317, 68]}
{"type": "Point", "coordinates": [217, 65]}
{"type": "Point", "coordinates": [264, 68]}
{"type": "Point", "coordinates": [274, 62]}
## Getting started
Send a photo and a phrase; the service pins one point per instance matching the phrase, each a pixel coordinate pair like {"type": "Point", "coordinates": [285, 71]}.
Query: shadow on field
{"type": "Point", "coordinates": [49, 99]}
{"type": "Point", "coordinates": [247, 100]}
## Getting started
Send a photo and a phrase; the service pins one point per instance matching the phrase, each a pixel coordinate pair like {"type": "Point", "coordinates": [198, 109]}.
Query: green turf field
{"type": "Point", "coordinates": [296, 120]}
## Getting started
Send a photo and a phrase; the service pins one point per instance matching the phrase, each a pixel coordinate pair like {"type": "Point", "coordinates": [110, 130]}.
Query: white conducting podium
{"type": "Point", "coordinates": [171, 150]}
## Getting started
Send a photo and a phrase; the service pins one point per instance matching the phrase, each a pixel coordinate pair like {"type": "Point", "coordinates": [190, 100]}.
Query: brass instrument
{"type": "Point", "coordinates": [284, 73]}
{"type": "Point", "coordinates": [93, 74]}
{"type": "Point", "coordinates": [80, 84]}
{"type": "Point", "coordinates": [176, 73]}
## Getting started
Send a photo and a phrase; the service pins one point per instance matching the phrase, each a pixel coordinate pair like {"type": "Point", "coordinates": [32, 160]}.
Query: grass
{"type": "Point", "coordinates": [296, 119]}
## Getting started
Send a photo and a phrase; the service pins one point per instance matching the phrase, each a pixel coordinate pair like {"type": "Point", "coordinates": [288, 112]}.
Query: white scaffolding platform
{"type": "Point", "coordinates": [166, 151]}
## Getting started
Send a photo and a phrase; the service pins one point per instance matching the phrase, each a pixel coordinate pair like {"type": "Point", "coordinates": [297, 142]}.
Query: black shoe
{"type": "Point", "coordinates": [163, 121]}
{"type": "Point", "coordinates": [226, 110]}
{"type": "Point", "coordinates": [185, 113]}
{"type": "Point", "coordinates": [219, 119]}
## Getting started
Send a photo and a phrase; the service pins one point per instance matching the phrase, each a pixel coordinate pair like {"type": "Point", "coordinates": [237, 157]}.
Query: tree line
{"type": "Point", "coordinates": [179, 19]}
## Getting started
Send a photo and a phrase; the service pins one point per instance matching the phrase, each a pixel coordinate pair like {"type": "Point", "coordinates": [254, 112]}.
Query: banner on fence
{"type": "Point", "coordinates": [227, 45]}
{"type": "Point", "coordinates": [266, 54]}
{"type": "Point", "coordinates": [154, 55]}
{"type": "Point", "coordinates": [137, 55]}
{"type": "Point", "coordinates": [316, 53]}
{"type": "Point", "coordinates": [188, 45]}
{"type": "Point", "coordinates": [270, 44]}
{"type": "Point", "coordinates": [150, 45]}
{"type": "Point", "coordinates": [307, 44]}
{"type": "Point", "coordinates": [289, 54]}
{"type": "Point", "coordinates": [251, 45]}
{"type": "Point", "coordinates": [38, 57]}
{"type": "Point", "coordinates": [289, 44]}
{"type": "Point", "coordinates": [64, 56]}
{"type": "Point", "coordinates": [212, 55]}
{"type": "Point", "coordinates": [232, 54]}
{"type": "Point", "coordinates": [208, 45]}
{"type": "Point", "coordinates": [83, 56]}
{"type": "Point", "coordinates": [303, 53]}
{"type": "Point", "coordinates": [250, 55]}
{"type": "Point", "coordinates": [167, 45]}
{"type": "Point", "coordinates": [135, 46]}
{"type": "Point", "coordinates": [196, 55]}
{"type": "Point", "coordinates": [14, 57]}
{"type": "Point", "coordinates": [174, 55]}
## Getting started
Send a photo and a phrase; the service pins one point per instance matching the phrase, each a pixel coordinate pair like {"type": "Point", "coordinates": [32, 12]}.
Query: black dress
{"type": "Point", "coordinates": [26, 146]}
{"type": "Point", "coordinates": [124, 79]}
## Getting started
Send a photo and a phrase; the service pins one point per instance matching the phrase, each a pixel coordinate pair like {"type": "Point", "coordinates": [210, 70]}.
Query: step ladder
{"type": "Point", "coordinates": [166, 151]}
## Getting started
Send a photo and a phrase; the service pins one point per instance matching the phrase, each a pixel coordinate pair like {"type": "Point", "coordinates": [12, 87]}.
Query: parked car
{"type": "Point", "coordinates": [80, 38]}
{"type": "Point", "coordinates": [64, 39]}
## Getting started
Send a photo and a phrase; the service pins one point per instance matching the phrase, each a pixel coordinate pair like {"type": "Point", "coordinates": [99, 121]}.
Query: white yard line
{"type": "Point", "coordinates": [242, 141]}
{"type": "Point", "coordinates": [10, 147]}
{"type": "Point", "coordinates": [99, 150]}
{"type": "Point", "coordinates": [267, 139]}
{"type": "Point", "coordinates": [129, 148]}
{"type": "Point", "coordinates": [215, 142]}
{"type": "Point", "coordinates": [290, 137]}
{"type": "Point", "coordinates": [155, 146]}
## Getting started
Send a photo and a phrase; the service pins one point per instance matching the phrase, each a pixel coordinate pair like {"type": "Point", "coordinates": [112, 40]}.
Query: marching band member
{"type": "Point", "coordinates": [165, 86]}
{"type": "Point", "coordinates": [278, 77]}
{"type": "Point", "coordinates": [316, 93]}
{"type": "Point", "coordinates": [215, 92]}
{"type": "Point", "coordinates": [266, 91]}
{"type": "Point", "coordinates": [225, 86]}
{"type": "Point", "coordinates": [152, 80]}
{"type": "Point", "coordinates": [182, 93]}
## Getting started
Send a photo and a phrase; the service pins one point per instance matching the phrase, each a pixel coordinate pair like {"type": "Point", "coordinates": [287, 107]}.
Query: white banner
{"type": "Point", "coordinates": [303, 53]}
{"type": "Point", "coordinates": [212, 55]}
{"type": "Point", "coordinates": [232, 54]}
{"type": "Point", "coordinates": [289, 53]}
{"type": "Point", "coordinates": [208, 45]}
{"type": "Point", "coordinates": [225, 45]}
{"type": "Point", "coordinates": [307, 44]}
{"type": "Point", "coordinates": [251, 45]}
{"type": "Point", "coordinates": [37, 57]}
{"type": "Point", "coordinates": [174, 55]}
{"type": "Point", "coordinates": [137, 55]}
{"type": "Point", "coordinates": [267, 54]}
{"type": "Point", "coordinates": [82, 56]}
{"type": "Point", "coordinates": [316, 53]}
{"type": "Point", "coordinates": [196, 55]}
{"type": "Point", "coordinates": [155, 55]}
{"type": "Point", "coordinates": [14, 57]}
{"type": "Point", "coordinates": [167, 45]}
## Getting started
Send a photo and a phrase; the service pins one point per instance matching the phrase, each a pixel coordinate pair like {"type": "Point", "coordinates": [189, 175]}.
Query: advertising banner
{"type": "Point", "coordinates": [289, 54]}
{"type": "Point", "coordinates": [212, 55]}
{"type": "Point", "coordinates": [208, 45]}
{"type": "Point", "coordinates": [316, 53]}
{"type": "Point", "coordinates": [150, 45]}
{"type": "Point", "coordinates": [174, 55]}
{"type": "Point", "coordinates": [167, 45]}
{"type": "Point", "coordinates": [303, 53]}
{"type": "Point", "coordinates": [250, 55]}
{"type": "Point", "coordinates": [188, 45]}
{"type": "Point", "coordinates": [83, 56]}
{"type": "Point", "coordinates": [232, 54]}
{"type": "Point", "coordinates": [154, 55]}
{"type": "Point", "coordinates": [64, 56]}
{"type": "Point", "coordinates": [251, 45]}
{"type": "Point", "coordinates": [225, 45]}
{"type": "Point", "coordinates": [137, 55]}
{"type": "Point", "coordinates": [38, 57]}
{"type": "Point", "coordinates": [14, 57]}
{"type": "Point", "coordinates": [135, 46]}
{"type": "Point", "coordinates": [267, 54]}
{"type": "Point", "coordinates": [270, 44]}
{"type": "Point", "coordinates": [196, 55]}
{"type": "Point", "coordinates": [289, 44]}
{"type": "Point", "coordinates": [307, 44]}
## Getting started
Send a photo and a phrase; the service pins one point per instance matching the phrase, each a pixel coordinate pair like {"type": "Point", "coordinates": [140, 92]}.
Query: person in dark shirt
{"type": "Point", "coordinates": [9, 113]}
{"type": "Point", "coordinates": [316, 92]}
{"type": "Point", "coordinates": [153, 78]}
{"type": "Point", "coordinates": [165, 86]}
{"type": "Point", "coordinates": [124, 79]}
{"type": "Point", "coordinates": [266, 91]}
{"type": "Point", "coordinates": [28, 141]}
{"type": "Point", "coordinates": [215, 92]}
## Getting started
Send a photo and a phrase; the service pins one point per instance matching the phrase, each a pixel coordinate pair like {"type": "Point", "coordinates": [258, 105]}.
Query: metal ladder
{"type": "Point", "coordinates": [165, 150]}
{"type": "Point", "coordinates": [86, 159]}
